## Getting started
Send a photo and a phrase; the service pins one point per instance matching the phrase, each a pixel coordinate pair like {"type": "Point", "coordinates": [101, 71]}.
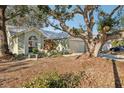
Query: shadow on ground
{"type": "Point", "coordinates": [14, 67]}
{"type": "Point", "coordinates": [116, 75]}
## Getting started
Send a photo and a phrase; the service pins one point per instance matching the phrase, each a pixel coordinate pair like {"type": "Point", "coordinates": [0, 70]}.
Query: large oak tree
{"type": "Point", "coordinates": [106, 22]}
{"type": "Point", "coordinates": [3, 37]}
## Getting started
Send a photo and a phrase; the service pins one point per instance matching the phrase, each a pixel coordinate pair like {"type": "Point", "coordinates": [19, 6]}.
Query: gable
{"type": "Point", "coordinates": [17, 31]}
{"type": "Point", "coordinates": [25, 31]}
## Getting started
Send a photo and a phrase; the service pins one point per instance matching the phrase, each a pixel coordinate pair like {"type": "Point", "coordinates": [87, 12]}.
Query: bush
{"type": "Point", "coordinates": [54, 53]}
{"type": "Point", "coordinates": [51, 53]}
{"type": "Point", "coordinates": [19, 57]}
{"type": "Point", "coordinates": [117, 43]}
{"type": "Point", "coordinates": [35, 50]}
{"type": "Point", "coordinates": [66, 52]}
{"type": "Point", "coordinates": [42, 54]}
{"type": "Point", "coordinates": [54, 80]}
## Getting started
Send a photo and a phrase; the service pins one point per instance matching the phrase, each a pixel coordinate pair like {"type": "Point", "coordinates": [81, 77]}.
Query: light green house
{"type": "Point", "coordinates": [21, 40]}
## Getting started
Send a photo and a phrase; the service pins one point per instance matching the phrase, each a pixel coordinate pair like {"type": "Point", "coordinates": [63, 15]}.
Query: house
{"type": "Point", "coordinates": [106, 47]}
{"type": "Point", "coordinates": [22, 40]}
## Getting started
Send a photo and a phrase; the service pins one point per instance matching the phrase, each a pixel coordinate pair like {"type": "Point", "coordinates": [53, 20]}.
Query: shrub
{"type": "Point", "coordinates": [65, 52]}
{"type": "Point", "coordinates": [51, 53]}
{"type": "Point", "coordinates": [54, 53]}
{"type": "Point", "coordinates": [35, 50]}
{"type": "Point", "coordinates": [19, 57]}
{"type": "Point", "coordinates": [42, 54]}
{"type": "Point", "coordinates": [54, 80]}
{"type": "Point", "coordinates": [117, 43]}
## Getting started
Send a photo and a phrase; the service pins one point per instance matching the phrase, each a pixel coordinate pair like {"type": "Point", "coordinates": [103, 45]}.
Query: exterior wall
{"type": "Point", "coordinates": [21, 44]}
{"type": "Point", "coordinates": [77, 45]}
{"type": "Point", "coordinates": [15, 46]}
{"type": "Point", "coordinates": [10, 41]}
{"type": "Point", "coordinates": [8, 35]}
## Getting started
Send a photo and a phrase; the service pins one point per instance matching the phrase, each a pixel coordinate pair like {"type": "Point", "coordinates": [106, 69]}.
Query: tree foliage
{"type": "Point", "coordinates": [25, 15]}
{"type": "Point", "coordinates": [110, 22]}
{"type": "Point", "coordinates": [116, 43]}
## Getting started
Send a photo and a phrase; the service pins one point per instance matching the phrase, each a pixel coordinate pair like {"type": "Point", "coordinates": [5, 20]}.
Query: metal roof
{"type": "Point", "coordinates": [47, 34]}
{"type": "Point", "coordinates": [54, 35]}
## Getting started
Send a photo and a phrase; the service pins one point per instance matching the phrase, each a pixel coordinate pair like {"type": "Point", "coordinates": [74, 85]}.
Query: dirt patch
{"type": "Point", "coordinates": [99, 72]}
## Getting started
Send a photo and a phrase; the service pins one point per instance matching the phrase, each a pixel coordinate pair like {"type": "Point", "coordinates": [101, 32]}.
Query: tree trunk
{"type": "Point", "coordinates": [93, 48]}
{"type": "Point", "coordinates": [89, 48]}
{"type": "Point", "coordinates": [3, 37]}
{"type": "Point", "coordinates": [97, 48]}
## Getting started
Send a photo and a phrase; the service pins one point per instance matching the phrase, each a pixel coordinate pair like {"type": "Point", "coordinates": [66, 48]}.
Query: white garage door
{"type": "Point", "coordinates": [77, 46]}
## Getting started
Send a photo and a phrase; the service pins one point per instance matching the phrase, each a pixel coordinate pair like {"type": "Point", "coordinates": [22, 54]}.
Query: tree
{"type": "Point", "coordinates": [16, 15]}
{"type": "Point", "coordinates": [65, 13]}
{"type": "Point", "coordinates": [29, 16]}
{"type": "Point", "coordinates": [117, 43]}
{"type": "Point", "coordinates": [3, 37]}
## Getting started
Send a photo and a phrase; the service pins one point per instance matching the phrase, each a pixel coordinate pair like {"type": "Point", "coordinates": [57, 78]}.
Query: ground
{"type": "Point", "coordinates": [98, 72]}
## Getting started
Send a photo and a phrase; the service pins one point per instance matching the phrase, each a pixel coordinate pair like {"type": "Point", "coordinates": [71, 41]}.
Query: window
{"type": "Point", "coordinates": [32, 38]}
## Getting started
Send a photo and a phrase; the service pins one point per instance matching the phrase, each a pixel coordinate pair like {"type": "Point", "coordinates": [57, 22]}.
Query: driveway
{"type": "Point", "coordinates": [112, 57]}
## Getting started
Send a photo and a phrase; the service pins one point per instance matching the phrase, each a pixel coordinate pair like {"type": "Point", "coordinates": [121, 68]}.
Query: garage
{"type": "Point", "coordinates": [76, 45]}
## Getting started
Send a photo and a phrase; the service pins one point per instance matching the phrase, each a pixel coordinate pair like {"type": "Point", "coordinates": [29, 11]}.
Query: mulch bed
{"type": "Point", "coordinates": [98, 72]}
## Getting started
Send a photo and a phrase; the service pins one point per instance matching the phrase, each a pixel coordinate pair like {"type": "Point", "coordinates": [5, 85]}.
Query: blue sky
{"type": "Point", "coordinates": [78, 20]}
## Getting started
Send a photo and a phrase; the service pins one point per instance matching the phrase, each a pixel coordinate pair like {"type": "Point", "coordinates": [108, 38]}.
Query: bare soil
{"type": "Point", "coordinates": [98, 72]}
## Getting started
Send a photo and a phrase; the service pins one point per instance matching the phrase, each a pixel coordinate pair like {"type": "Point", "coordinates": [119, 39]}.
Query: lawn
{"type": "Point", "coordinates": [98, 72]}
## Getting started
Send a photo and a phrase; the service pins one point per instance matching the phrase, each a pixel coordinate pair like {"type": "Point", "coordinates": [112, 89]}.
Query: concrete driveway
{"type": "Point", "coordinates": [112, 57]}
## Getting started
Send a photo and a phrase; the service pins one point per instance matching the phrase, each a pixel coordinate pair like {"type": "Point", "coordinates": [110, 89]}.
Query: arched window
{"type": "Point", "coordinates": [32, 38]}
{"type": "Point", "coordinates": [32, 41]}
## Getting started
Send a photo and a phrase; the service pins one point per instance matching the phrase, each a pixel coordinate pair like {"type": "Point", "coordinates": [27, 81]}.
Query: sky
{"type": "Point", "coordinates": [78, 20]}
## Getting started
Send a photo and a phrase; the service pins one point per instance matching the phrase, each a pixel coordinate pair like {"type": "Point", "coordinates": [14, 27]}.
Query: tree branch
{"type": "Point", "coordinates": [114, 36]}
{"type": "Point", "coordinates": [114, 10]}
{"type": "Point", "coordinates": [70, 31]}
{"type": "Point", "coordinates": [54, 26]}
{"type": "Point", "coordinates": [17, 14]}
{"type": "Point", "coordinates": [80, 10]}
{"type": "Point", "coordinates": [91, 18]}
{"type": "Point", "coordinates": [81, 34]}
{"type": "Point", "coordinates": [14, 15]}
